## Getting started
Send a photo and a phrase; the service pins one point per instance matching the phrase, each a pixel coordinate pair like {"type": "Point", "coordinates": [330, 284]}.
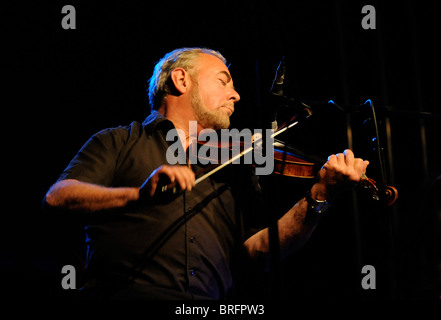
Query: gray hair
{"type": "Point", "coordinates": [160, 84]}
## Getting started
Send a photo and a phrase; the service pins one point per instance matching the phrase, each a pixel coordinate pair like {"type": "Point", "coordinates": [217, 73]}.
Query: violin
{"type": "Point", "coordinates": [292, 165]}
{"type": "Point", "coordinates": [287, 162]}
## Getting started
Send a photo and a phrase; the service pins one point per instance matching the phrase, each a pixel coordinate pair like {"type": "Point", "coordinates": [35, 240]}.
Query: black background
{"type": "Point", "coordinates": [65, 85]}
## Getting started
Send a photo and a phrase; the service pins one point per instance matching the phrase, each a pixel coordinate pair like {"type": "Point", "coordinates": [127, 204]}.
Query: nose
{"type": "Point", "coordinates": [233, 95]}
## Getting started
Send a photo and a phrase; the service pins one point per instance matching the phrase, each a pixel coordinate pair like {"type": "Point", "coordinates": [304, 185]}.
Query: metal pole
{"type": "Point", "coordinates": [345, 90]}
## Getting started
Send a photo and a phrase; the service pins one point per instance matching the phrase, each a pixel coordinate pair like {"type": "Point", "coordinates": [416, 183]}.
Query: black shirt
{"type": "Point", "coordinates": [185, 248]}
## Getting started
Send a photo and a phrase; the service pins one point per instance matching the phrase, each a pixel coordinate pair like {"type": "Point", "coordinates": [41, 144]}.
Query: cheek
{"type": "Point", "coordinates": [212, 99]}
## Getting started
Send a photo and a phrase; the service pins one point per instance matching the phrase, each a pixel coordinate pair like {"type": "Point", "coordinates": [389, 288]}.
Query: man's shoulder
{"type": "Point", "coordinates": [134, 128]}
{"type": "Point", "coordinates": [117, 137]}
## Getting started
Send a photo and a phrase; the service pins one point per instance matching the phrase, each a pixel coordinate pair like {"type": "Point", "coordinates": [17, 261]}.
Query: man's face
{"type": "Point", "coordinates": [213, 95]}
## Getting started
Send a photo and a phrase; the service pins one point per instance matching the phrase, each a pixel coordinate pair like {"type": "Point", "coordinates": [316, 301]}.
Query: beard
{"type": "Point", "coordinates": [214, 119]}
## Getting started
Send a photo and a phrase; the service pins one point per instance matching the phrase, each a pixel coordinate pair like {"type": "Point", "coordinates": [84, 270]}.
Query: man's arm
{"type": "Point", "coordinates": [72, 194]}
{"type": "Point", "coordinates": [294, 228]}
{"type": "Point", "coordinates": [339, 174]}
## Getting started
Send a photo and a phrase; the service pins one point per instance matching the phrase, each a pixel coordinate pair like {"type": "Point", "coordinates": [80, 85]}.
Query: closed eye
{"type": "Point", "coordinates": [227, 76]}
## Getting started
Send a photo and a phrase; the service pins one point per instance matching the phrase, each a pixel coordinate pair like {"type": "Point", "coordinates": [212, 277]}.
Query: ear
{"type": "Point", "coordinates": [180, 79]}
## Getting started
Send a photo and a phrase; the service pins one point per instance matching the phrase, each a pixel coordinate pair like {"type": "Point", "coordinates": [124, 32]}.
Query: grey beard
{"type": "Point", "coordinates": [216, 119]}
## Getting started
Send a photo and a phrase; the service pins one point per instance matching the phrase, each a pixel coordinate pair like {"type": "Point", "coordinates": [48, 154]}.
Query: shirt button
{"type": "Point", "coordinates": [192, 239]}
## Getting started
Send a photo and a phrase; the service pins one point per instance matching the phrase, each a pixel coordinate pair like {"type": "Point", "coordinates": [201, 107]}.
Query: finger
{"type": "Point", "coordinates": [360, 166]}
{"type": "Point", "coordinates": [185, 177]}
{"type": "Point", "coordinates": [349, 157]}
{"type": "Point", "coordinates": [153, 181]}
{"type": "Point", "coordinates": [332, 160]}
{"type": "Point", "coordinates": [168, 171]}
{"type": "Point", "coordinates": [189, 177]}
{"type": "Point", "coordinates": [180, 178]}
{"type": "Point", "coordinates": [192, 178]}
{"type": "Point", "coordinates": [365, 165]}
{"type": "Point", "coordinates": [341, 159]}
{"type": "Point", "coordinates": [173, 174]}
{"type": "Point", "coordinates": [150, 184]}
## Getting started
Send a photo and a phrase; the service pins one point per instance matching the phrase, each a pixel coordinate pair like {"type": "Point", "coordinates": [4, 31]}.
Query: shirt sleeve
{"type": "Point", "coordinates": [96, 161]}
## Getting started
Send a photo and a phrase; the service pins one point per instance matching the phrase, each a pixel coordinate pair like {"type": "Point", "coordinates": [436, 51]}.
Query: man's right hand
{"type": "Point", "coordinates": [183, 176]}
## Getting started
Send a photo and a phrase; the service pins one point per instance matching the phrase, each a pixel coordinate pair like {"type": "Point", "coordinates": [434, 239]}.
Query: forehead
{"type": "Point", "coordinates": [211, 65]}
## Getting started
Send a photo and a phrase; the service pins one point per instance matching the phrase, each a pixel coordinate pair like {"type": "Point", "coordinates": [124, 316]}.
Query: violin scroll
{"type": "Point", "coordinates": [388, 194]}
{"type": "Point", "coordinates": [391, 194]}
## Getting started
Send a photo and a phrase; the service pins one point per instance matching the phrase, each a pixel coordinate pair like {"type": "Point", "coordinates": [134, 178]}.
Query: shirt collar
{"type": "Point", "coordinates": [157, 121]}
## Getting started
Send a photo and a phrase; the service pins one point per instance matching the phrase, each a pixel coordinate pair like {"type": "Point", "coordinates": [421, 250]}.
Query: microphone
{"type": "Point", "coordinates": [277, 86]}
{"type": "Point", "coordinates": [277, 98]}
{"type": "Point", "coordinates": [277, 92]}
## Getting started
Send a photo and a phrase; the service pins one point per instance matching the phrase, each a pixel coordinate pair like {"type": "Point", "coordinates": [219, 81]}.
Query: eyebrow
{"type": "Point", "coordinates": [227, 75]}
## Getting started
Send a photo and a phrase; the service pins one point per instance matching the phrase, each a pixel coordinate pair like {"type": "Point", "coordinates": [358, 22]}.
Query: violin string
{"type": "Point", "coordinates": [203, 177]}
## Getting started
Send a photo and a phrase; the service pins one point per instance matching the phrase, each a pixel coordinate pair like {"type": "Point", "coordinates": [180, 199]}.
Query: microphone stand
{"type": "Point", "coordinates": [274, 101]}
{"type": "Point", "coordinates": [380, 153]}
{"type": "Point", "coordinates": [382, 194]}
{"type": "Point", "coordinates": [381, 185]}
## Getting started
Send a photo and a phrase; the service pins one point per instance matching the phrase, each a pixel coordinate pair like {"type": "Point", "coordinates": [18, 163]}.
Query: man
{"type": "Point", "coordinates": [187, 247]}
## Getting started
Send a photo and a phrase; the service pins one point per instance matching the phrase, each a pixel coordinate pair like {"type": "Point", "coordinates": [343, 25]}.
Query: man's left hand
{"type": "Point", "coordinates": [340, 173]}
